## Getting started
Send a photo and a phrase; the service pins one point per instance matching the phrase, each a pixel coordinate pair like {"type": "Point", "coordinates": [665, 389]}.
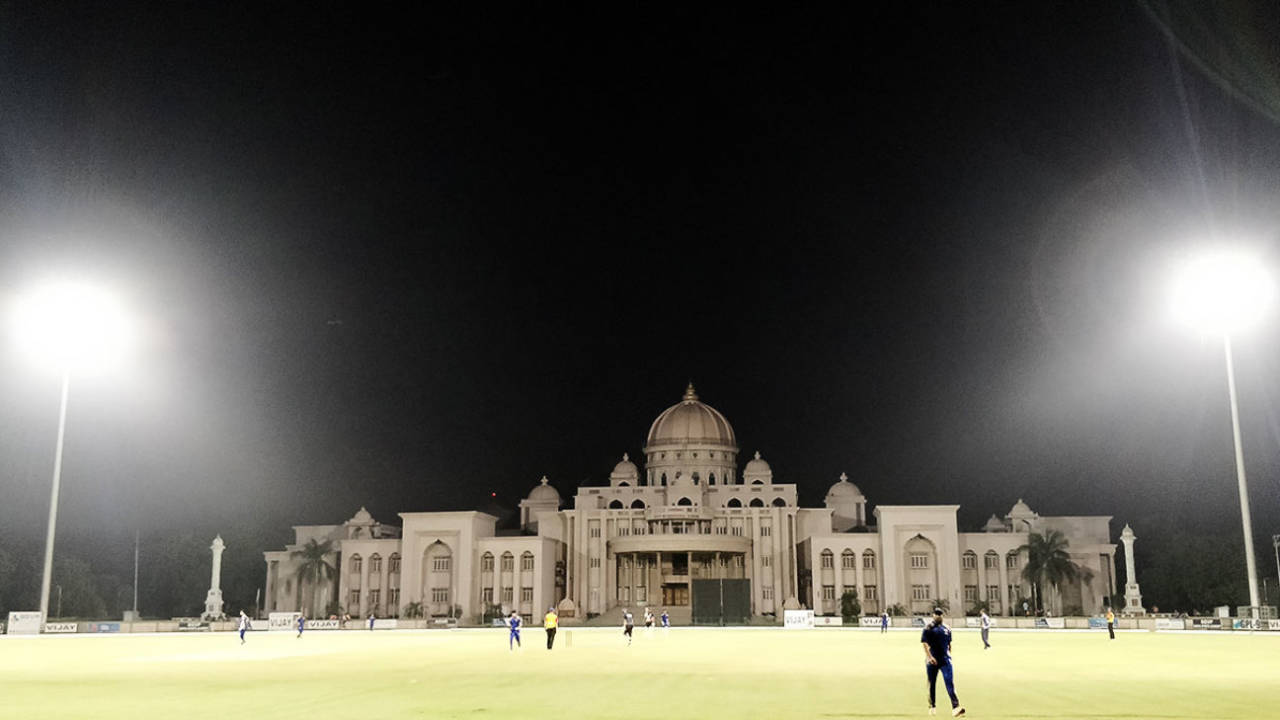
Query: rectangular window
{"type": "Point", "coordinates": [356, 564]}
{"type": "Point", "coordinates": [737, 531]}
{"type": "Point", "coordinates": [919, 561]}
{"type": "Point", "coordinates": [766, 561]}
{"type": "Point", "coordinates": [992, 561]}
{"type": "Point", "coordinates": [439, 595]}
{"type": "Point", "coordinates": [971, 593]}
{"type": "Point", "coordinates": [765, 530]}
{"type": "Point", "coordinates": [526, 594]}
{"type": "Point", "coordinates": [767, 593]}
{"type": "Point", "coordinates": [486, 563]}
{"type": "Point", "coordinates": [375, 564]}
{"type": "Point", "coordinates": [508, 563]}
{"type": "Point", "coordinates": [993, 593]}
{"type": "Point", "coordinates": [869, 592]}
{"type": "Point", "coordinates": [828, 560]}
{"type": "Point", "coordinates": [440, 564]}
{"type": "Point", "coordinates": [506, 594]}
{"type": "Point", "coordinates": [828, 592]}
{"type": "Point", "coordinates": [846, 561]}
{"type": "Point", "coordinates": [1011, 561]}
{"type": "Point", "coordinates": [594, 530]}
{"type": "Point", "coordinates": [641, 594]}
{"type": "Point", "coordinates": [970, 562]}
{"type": "Point", "coordinates": [486, 596]}
{"type": "Point", "coordinates": [526, 562]}
{"type": "Point", "coordinates": [920, 592]}
{"type": "Point", "coordinates": [354, 604]}
{"type": "Point", "coordinates": [623, 530]}
{"type": "Point", "coordinates": [393, 600]}
{"type": "Point", "coordinates": [739, 560]}
{"type": "Point", "coordinates": [868, 562]}
{"type": "Point", "coordinates": [374, 597]}
{"type": "Point", "coordinates": [595, 562]}
{"type": "Point", "coordinates": [722, 530]}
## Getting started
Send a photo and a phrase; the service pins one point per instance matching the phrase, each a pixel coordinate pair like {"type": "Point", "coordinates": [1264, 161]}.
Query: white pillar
{"type": "Point", "coordinates": [213, 600]}
{"type": "Point", "coordinates": [1132, 595]}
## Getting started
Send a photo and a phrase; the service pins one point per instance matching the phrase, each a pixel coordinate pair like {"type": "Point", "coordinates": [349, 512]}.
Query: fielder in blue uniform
{"type": "Point", "coordinates": [302, 623]}
{"type": "Point", "coordinates": [936, 639]}
{"type": "Point", "coordinates": [244, 625]}
{"type": "Point", "coordinates": [514, 623]}
{"type": "Point", "coordinates": [666, 619]}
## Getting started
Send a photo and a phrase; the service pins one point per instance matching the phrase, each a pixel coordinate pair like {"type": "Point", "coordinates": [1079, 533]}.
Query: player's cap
{"type": "Point", "coordinates": [937, 611]}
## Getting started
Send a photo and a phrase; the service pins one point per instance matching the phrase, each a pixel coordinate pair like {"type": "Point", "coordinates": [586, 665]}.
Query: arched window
{"type": "Point", "coordinates": [637, 504]}
{"type": "Point", "coordinates": [868, 560]}
{"type": "Point", "coordinates": [757, 502]}
{"type": "Point", "coordinates": [733, 502]}
{"type": "Point", "coordinates": [375, 563]}
{"type": "Point", "coordinates": [757, 482]}
{"type": "Point", "coordinates": [615, 505]}
{"type": "Point", "coordinates": [711, 479]}
{"type": "Point", "coordinates": [664, 478]}
{"type": "Point", "coordinates": [828, 559]}
{"type": "Point", "coordinates": [779, 502]}
{"type": "Point", "coordinates": [486, 562]}
{"type": "Point", "coordinates": [356, 564]}
{"type": "Point", "coordinates": [393, 564]}
{"type": "Point", "coordinates": [847, 559]}
{"type": "Point", "coordinates": [684, 501]}
{"type": "Point", "coordinates": [508, 562]}
{"type": "Point", "coordinates": [969, 561]}
{"type": "Point", "coordinates": [526, 561]}
{"type": "Point", "coordinates": [696, 478]}
{"type": "Point", "coordinates": [624, 483]}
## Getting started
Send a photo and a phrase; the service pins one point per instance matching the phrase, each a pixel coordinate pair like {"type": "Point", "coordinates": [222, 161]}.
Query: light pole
{"type": "Point", "coordinates": [68, 328]}
{"type": "Point", "coordinates": [1223, 293]}
{"type": "Point", "coordinates": [1275, 545]}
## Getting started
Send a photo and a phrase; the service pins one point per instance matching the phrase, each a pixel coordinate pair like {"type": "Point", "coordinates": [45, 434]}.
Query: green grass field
{"type": "Point", "coordinates": [686, 673]}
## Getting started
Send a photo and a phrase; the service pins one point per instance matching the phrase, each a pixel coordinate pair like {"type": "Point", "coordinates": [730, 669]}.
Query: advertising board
{"type": "Point", "coordinates": [1097, 623]}
{"type": "Point", "coordinates": [869, 622]}
{"type": "Point", "coordinates": [111, 627]}
{"type": "Point", "coordinates": [60, 627]}
{"type": "Point", "coordinates": [283, 620]}
{"type": "Point", "coordinates": [976, 622]}
{"type": "Point", "coordinates": [828, 621]}
{"type": "Point", "coordinates": [1248, 624]}
{"type": "Point", "coordinates": [1170, 624]}
{"type": "Point", "coordinates": [384, 624]}
{"type": "Point", "coordinates": [1055, 623]}
{"type": "Point", "coordinates": [1206, 623]}
{"type": "Point", "coordinates": [798, 619]}
{"type": "Point", "coordinates": [192, 626]}
{"type": "Point", "coordinates": [324, 624]}
{"type": "Point", "coordinates": [25, 622]}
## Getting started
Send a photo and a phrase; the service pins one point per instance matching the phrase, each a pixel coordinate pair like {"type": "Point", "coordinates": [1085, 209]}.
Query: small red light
{"type": "Point", "coordinates": [493, 494]}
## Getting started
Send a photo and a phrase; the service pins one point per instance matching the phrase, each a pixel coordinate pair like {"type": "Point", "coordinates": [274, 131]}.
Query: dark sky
{"type": "Point", "coordinates": [406, 258]}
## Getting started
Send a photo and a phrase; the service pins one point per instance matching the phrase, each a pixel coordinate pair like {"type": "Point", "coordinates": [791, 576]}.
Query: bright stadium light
{"type": "Point", "coordinates": [70, 329]}
{"type": "Point", "coordinates": [1222, 294]}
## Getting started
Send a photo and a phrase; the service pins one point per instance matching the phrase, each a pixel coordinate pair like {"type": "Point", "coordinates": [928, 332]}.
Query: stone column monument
{"type": "Point", "coordinates": [1132, 596]}
{"type": "Point", "coordinates": [213, 601]}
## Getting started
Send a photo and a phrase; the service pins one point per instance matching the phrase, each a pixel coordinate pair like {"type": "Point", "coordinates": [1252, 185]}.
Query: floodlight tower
{"type": "Point", "coordinates": [1222, 294]}
{"type": "Point", "coordinates": [67, 328]}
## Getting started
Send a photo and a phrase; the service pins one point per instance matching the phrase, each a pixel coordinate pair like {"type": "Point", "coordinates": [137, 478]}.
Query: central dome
{"type": "Point", "coordinates": [691, 422]}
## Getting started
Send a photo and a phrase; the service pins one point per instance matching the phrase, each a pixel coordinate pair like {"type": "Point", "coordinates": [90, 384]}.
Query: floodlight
{"type": "Point", "coordinates": [71, 327]}
{"type": "Point", "coordinates": [1222, 293]}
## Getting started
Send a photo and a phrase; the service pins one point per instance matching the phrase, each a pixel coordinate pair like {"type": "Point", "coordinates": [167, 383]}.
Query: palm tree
{"type": "Point", "coordinates": [1048, 562]}
{"type": "Point", "coordinates": [315, 566]}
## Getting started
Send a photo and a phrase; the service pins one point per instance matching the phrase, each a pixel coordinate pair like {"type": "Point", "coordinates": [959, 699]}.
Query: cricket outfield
{"type": "Point", "coordinates": [681, 673]}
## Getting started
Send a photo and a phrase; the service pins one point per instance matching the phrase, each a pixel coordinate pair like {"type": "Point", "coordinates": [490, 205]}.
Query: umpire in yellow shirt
{"type": "Point", "coordinates": [549, 623]}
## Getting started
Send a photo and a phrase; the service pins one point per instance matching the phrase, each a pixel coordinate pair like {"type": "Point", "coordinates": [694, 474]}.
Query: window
{"type": "Point", "coordinates": [828, 592]}
{"type": "Point", "coordinates": [440, 564]}
{"type": "Point", "coordinates": [847, 560]}
{"type": "Point", "coordinates": [637, 505]}
{"type": "Point", "coordinates": [992, 561]}
{"type": "Point", "coordinates": [506, 594]}
{"type": "Point", "coordinates": [919, 561]}
{"type": "Point", "coordinates": [595, 530]}
{"type": "Point", "coordinates": [486, 596]}
{"type": "Point", "coordinates": [993, 593]}
{"type": "Point", "coordinates": [737, 531]}
{"type": "Point", "coordinates": [374, 597]}
{"type": "Point", "coordinates": [779, 502]}
{"type": "Point", "coordinates": [486, 562]}
{"type": "Point", "coordinates": [684, 502]}
{"type": "Point", "coordinates": [722, 530]}
{"type": "Point", "coordinates": [712, 477]}
{"type": "Point", "coordinates": [641, 594]}
{"type": "Point", "coordinates": [920, 592]}
{"type": "Point", "coordinates": [971, 593]}
{"type": "Point", "coordinates": [526, 594]}
{"type": "Point", "coordinates": [354, 603]}
{"type": "Point", "coordinates": [439, 595]}
{"type": "Point", "coordinates": [393, 601]}
{"type": "Point", "coordinates": [757, 502]}
{"type": "Point", "coordinates": [869, 592]}
{"type": "Point", "coordinates": [739, 560]}
{"type": "Point", "coordinates": [595, 562]}
{"type": "Point", "coordinates": [765, 531]}
{"type": "Point", "coordinates": [393, 566]}
{"type": "Point", "coordinates": [375, 563]}
{"type": "Point", "coordinates": [767, 593]}
{"type": "Point", "coordinates": [508, 562]}
{"type": "Point", "coordinates": [356, 564]}
{"type": "Point", "coordinates": [616, 504]}
{"type": "Point", "coordinates": [969, 561]}
{"type": "Point", "coordinates": [526, 561]}
{"type": "Point", "coordinates": [828, 559]}
{"type": "Point", "coordinates": [733, 502]}
{"type": "Point", "coordinates": [624, 530]}
{"type": "Point", "coordinates": [624, 593]}
{"type": "Point", "coordinates": [868, 560]}
{"type": "Point", "coordinates": [766, 561]}
{"type": "Point", "coordinates": [1011, 561]}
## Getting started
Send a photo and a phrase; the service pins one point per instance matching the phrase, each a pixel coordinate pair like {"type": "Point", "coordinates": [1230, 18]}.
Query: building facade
{"type": "Point", "coordinates": [691, 534]}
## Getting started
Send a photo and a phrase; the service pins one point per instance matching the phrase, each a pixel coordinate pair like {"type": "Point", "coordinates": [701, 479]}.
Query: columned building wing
{"type": "Point", "coordinates": [694, 534]}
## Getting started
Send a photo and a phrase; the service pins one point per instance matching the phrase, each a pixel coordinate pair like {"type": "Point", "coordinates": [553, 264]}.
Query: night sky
{"type": "Point", "coordinates": [404, 259]}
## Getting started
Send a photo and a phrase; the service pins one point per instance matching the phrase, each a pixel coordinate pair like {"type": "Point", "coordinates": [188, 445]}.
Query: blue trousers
{"type": "Point", "coordinates": [945, 669]}
{"type": "Point", "coordinates": [514, 639]}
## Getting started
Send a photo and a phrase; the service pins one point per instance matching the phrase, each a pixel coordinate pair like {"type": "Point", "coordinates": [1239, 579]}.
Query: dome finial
{"type": "Point", "coordinates": [689, 394]}
{"type": "Point", "coordinates": [757, 454]}
{"type": "Point", "coordinates": [626, 457]}
{"type": "Point", "coordinates": [544, 479]}
{"type": "Point", "coordinates": [844, 477]}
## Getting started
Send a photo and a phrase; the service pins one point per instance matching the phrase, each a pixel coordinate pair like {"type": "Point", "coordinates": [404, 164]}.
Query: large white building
{"type": "Point", "coordinates": [691, 533]}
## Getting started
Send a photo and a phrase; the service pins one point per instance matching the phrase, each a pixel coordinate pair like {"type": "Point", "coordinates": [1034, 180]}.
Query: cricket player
{"type": "Point", "coordinates": [986, 630]}
{"type": "Point", "coordinates": [628, 624]}
{"type": "Point", "coordinates": [666, 619]}
{"type": "Point", "coordinates": [936, 640]}
{"type": "Point", "coordinates": [244, 625]}
{"type": "Point", "coordinates": [302, 624]}
{"type": "Point", "coordinates": [514, 622]}
{"type": "Point", "coordinates": [549, 623]}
